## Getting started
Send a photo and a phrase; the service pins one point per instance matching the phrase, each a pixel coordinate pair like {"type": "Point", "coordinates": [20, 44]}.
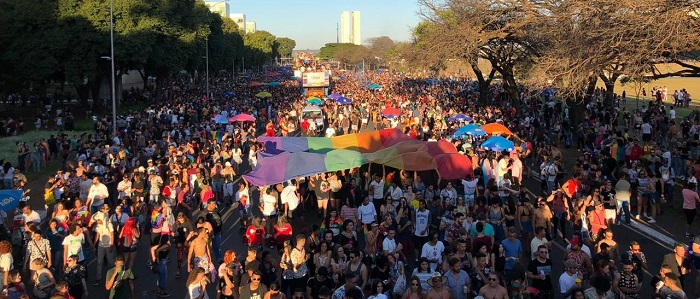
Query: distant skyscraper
{"type": "Point", "coordinates": [250, 27]}
{"type": "Point", "coordinates": [239, 18]}
{"type": "Point", "coordinates": [356, 28]}
{"type": "Point", "coordinates": [350, 30]}
{"type": "Point", "coordinates": [220, 8]}
{"type": "Point", "coordinates": [345, 25]}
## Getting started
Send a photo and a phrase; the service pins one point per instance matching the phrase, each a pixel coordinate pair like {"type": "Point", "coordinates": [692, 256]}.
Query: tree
{"type": "Point", "coordinates": [500, 31]}
{"type": "Point", "coordinates": [261, 47]}
{"type": "Point", "coordinates": [285, 46]}
{"type": "Point", "coordinates": [606, 38]}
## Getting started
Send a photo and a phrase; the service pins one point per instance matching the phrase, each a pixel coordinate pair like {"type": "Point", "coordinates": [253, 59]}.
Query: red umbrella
{"type": "Point", "coordinates": [242, 117]}
{"type": "Point", "coordinates": [391, 112]}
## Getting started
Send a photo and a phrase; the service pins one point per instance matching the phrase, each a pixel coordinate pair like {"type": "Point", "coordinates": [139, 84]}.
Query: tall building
{"type": "Point", "coordinates": [350, 30]}
{"type": "Point", "coordinates": [239, 18]}
{"type": "Point", "coordinates": [250, 27]}
{"type": "Point", "coordinates": [219, 7]}
{"type": "Point", "coordinates": [356, 30]}
{"type": "Point", "coordinates": [345, 27]}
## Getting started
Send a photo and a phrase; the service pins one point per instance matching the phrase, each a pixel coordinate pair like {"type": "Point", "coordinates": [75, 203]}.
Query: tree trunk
{"type": "Point", "coordinates": [577, 105]}
{"type": "Point", "coordinates": [511, 87]}
{"type": "Point", "coordinates": [609, 87]}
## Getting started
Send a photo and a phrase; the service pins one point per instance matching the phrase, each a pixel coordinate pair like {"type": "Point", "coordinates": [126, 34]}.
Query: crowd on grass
{"type": "Point", "coordinates": [163, 182]}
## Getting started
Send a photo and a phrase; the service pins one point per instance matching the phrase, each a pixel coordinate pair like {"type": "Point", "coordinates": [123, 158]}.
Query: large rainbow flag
{"type": "Point", "coordinates": [290, 157]}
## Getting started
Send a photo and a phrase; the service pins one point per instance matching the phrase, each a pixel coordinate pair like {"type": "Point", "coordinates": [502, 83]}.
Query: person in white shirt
{"type": "Point", "coordinates": [470, 190]}
{"type": "Point", "coordinates": [394, 192]}
{"type": "Point", "coordinates": [389, 244]}
{"type": "Point", "coordinates": [502, 167]}
{"type": "Point", "coordinates": [73, 244]}
{"type": "Point", "coordinates": [567, 280]}
{"type": "Point", "coordinates": [516, 169]}
{"type": "Point", "coordinates": [97, 195]}
{"type": "Point", "coordinates": [289, 198]}
{"type": "Point", "coordinates": [539, 239]}
{"type": "Point", "coordinates": [330, 131]}
{"type": "Point", "coordinates": [124, 188]}
{"type": "Point", "coordinates": [367, 213]}
{"type": "Point", "coordinates": [432, 250]}
{"type": "Point", "coordinates": [105, 245]}
{"type": "Point", "coordinates": [29, 216]}
{"type": "Point", "coordinates": [378, 186]}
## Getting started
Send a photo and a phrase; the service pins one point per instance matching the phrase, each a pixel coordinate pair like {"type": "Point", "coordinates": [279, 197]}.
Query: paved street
{"type": "Point", "coordinates": [655, 239]}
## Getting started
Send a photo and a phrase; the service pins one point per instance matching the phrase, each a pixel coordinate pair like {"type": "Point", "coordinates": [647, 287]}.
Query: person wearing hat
{"type": "Point", "coordinates": [105, 242]}
{"type": "Point", "coordinates": [155, 183]}
{"type": "Point", "coordinates": [437, 287]}
{"type": "Point", "coordinates": [314, 284]}
{"type": "Point", "coordinates": [570, 280]}
{"type": "Point", "coordinates": [597, 220]}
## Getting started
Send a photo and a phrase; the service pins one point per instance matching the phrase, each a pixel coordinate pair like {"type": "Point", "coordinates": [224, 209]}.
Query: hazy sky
{"type": "Point", "coordinates": [312, 23]}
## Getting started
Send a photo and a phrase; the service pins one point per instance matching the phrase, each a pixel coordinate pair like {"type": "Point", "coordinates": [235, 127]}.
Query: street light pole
{"type": "Point", "coordinates": [111, 46]}
{"type": "Point", "coordinates": [207, 57]}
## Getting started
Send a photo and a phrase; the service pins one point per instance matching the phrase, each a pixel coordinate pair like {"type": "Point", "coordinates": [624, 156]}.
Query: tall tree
{"type": "Point", "coordinates": [285, 46]}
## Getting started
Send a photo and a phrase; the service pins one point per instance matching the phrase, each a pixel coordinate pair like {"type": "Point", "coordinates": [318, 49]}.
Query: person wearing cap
{"type": "Point", "coordinates": [582, 258]}
{"type": "Point", "coordinates": [596, 218]}
{"type": "Point", "coordinates": [104, 234]}
{"type": "Point", "coordinates": [124, 188]}
{"type": "Point", "coordinates": [314, 284]}
{"type": "Point", "coordinates": [155, 182]}
{"type": "Point", "coordinates": [570, 280]}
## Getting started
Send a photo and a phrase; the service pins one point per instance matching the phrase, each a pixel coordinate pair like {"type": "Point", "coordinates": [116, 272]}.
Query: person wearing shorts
{"type": "Point", "coordinates": [690, 200]}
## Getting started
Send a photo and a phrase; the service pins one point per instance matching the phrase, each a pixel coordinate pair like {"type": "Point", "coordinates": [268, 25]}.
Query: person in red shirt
{"type": "Point", "coordinates": [636, 151]}
{"type": "Point", "coordinates": [255, 233]}
{"type": "Point", "coordinates": [270, 129]}
{"type": "Point", "coordinates": [305, 126]}
{"type": "Point", "coordinates": [283, 231]}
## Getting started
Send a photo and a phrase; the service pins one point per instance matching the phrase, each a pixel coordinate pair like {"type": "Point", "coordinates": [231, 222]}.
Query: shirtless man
{"type": "Point", "coordinates": [437, 287]}
{"type": "Point", "coordinates": [493, 290]}
{"type": "Point", "coordinates": [542, 216]}
{"type": "Point", "coordinates": [199, 251]}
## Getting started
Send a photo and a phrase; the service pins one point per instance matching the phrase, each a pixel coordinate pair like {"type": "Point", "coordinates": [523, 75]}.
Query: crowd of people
{"type": "Point", "coordinates": [170, 172]}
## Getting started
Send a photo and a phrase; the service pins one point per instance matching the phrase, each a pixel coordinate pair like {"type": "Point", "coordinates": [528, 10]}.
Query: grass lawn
{"type": "Point", "coordinates": [8, 149]}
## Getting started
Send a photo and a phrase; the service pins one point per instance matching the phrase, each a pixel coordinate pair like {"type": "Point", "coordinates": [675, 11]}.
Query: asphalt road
{"type": "Point", "coordinates": [655, 241]}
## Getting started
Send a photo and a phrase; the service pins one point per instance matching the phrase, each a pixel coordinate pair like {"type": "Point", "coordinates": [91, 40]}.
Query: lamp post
{"type": "Point", "coordinates": [111, 60]}
{"type": "Point", "coordinates": [207, 58]}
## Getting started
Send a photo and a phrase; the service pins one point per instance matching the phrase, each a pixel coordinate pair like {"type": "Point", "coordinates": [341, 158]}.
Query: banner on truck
{"type": "Point", "coordinates": [316, 79]}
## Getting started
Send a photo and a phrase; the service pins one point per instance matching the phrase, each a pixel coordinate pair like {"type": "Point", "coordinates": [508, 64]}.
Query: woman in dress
{"type": "Point", "coordinates": [322, 258]}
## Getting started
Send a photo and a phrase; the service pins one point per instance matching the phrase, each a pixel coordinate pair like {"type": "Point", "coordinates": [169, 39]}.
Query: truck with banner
{"type": "Point", "coordinates": [316, 83]}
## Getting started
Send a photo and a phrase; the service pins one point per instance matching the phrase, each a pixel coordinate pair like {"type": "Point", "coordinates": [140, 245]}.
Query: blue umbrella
{"type": "Point", "coordinates": [498, 144]}
{"type": "Point", "coordinates": [220, 119]}
{"type": "Point", "coordinates": [460, 117]}
{"type": "Point", "coordinates": [293, 78]}
{"type": "Point", "coordinates": [343, 101]}
{"type": "Point", "coordinates": [334, 96]}
{"type": "Point", "coordinates": [470, 129]}
{"type": "Point", "coordinates": [229, 94]}
{"type": "Point", "coordinates": [432, 81]}
{"type": "Point", "coordinates": [273, 84]}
